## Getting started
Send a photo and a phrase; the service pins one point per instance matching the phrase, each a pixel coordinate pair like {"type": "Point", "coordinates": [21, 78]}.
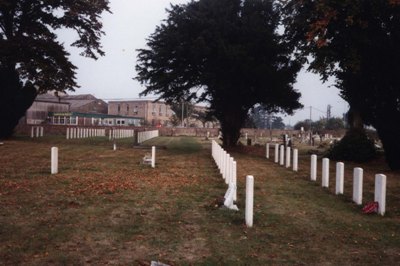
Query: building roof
{"type": "Point", "coordinates": [79, 97]}
{"type": "Point", "coordinates": [46, 97]}
{"type": "Point", "coordinates": [91, 115]}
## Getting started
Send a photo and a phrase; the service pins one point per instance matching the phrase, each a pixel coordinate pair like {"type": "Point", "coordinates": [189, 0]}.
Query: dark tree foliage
{"type": "Point", "coordinates": [354, 146]}
{"type": "Point", "coordinates": [32, 60]}
{"type": "Point", "coordinates": [224, 52]}
{"type": "Point", "coordinates": [358, 42]}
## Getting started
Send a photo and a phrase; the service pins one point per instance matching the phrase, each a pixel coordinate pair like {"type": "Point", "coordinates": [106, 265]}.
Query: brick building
{"type": "Point", "coordinates": [153, 113]}
{"type": "Point", "coordinates": [85, 103]}
{"type": "Point", "coordinates": [43, 104]}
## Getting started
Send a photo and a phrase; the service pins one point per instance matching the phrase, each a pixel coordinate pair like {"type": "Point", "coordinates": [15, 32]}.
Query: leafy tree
{"type": "Point", "coordinates": [277, 123]}
{"type": "Point", "coordinates": [358, 42]}
{"type": "Point", "coordinates": [32, 60]}
{"type": "Point", "coordinates": [334, 123]}
{"type": "Point", "coordinates": [224, 52]}
{"type": "Point", "coordinates": [305, 124]}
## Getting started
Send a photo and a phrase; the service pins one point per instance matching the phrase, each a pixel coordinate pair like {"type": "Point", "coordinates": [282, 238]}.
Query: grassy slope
{"type": "Point", "coordinates": [106, 207]}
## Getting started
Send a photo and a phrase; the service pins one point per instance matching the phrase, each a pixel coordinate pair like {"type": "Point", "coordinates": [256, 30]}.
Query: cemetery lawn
{"type": "Point", "coordinates": [106, 207]}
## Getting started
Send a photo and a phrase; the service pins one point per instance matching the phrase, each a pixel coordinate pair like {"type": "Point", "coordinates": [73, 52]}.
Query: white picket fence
{"type": "Point", "coordinates": [146, 135]}
{"type": "Point", "coordinates": [80, 133]}
{"type": "Point", "coordinates": [380, 179]}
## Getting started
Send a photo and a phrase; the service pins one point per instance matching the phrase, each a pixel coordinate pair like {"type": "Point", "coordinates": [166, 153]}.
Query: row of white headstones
{"type": "Point", "coordinates": [37, 132]}
{"type": "Point", "coordinates": [146, 135]}
{"type": "Point", "coordinates": [124, 132]}
{"type": "Point", "coordinates": [228, 169]}
{"type": "Point", "coordinates": [79, 133]}
{"type": "Point", "coordinates": [380, 179]}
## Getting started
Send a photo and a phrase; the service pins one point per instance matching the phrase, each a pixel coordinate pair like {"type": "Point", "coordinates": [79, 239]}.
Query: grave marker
{"type": "Point", "coordinates": [249, 200]}
{"type": "Point", "coordinates": [339, 178]}
{"type": "Point", "coordinates": [357, 185]}
{"type": "Point", "coordinates": [313, 167]}
{"type": "Point", "coordinates": [325, 172]}
{"type": "Point", "coordinates": [380, 193]}
{"type": "Point", "coordinates": [54, 160]}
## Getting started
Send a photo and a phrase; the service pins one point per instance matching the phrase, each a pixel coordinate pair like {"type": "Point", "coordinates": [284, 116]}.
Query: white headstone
{"type": "Point", "coordinates": [282, 155]}
{"type": "Point", "coordinates": [295, 159]}
{"type": "Point", "coordinates": [153, 156]}
{"type": "Point", "coordinates": [357, 185]}
{"type": "Point", "coordinates": [54, 160]}
{"type": "Point", "coordinates": [313, 175]}
{"type": "Point", "coordinates": [234, 179]}
{"type": "Point", "coordinates": [228, 202]}
{"type": "Point", "coordinates": [276, 153]}
{"type": "Point", "coordinates": [249, 200]}
{"type": "Point", "coordinates": [287, 161]}
{"type": "Point", "coordinates": [325, 172]}
{"type": "Point", "coordinates": [339, 178]}
{"type": "Point", "coordinates": [380, 193]}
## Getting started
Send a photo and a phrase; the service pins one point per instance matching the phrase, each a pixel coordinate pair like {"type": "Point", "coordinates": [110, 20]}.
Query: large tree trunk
{"type": "Point", "coordinates": [354, 119]}
{"type": "Point", "coordinates": [231, 124]}
{"type": "Point", "coordinates": [388, 128]}
{"type": "Point", "coordinates": [14, 100]}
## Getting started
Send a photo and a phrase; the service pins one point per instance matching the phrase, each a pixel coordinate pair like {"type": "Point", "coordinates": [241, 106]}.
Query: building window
{"type": "Point", "coordinates": [73, 120]}
{"type": "Point", "coordinates": [135, 110]}
{"type": "Point", "coordinates": [127, 108]}
{"type": "Point", "coordinates": [119, 108]}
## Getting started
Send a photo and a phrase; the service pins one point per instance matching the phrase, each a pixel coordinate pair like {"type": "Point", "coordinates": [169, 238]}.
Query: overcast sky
{"type": "Point", "coordinates": [132, 21]}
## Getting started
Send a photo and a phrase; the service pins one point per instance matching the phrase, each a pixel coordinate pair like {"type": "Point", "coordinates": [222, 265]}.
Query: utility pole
{"type": "Point", "coordinates": [328, 112]}
{"type": "Point", "coordinates": [310, 125]}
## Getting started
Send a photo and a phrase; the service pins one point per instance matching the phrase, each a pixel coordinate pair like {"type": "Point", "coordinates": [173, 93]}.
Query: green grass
{"type": "Point", "coordinates": [106, 207]}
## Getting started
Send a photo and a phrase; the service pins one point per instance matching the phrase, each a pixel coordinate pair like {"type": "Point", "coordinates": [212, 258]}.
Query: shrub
{"type": "Point", "coordinates": [354, 146]}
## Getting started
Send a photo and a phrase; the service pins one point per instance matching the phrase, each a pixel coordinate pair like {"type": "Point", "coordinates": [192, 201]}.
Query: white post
{"type": "Point", "coordinates": [32, 132]}
{"type": "Point", "coordinates": [276, 153]}
{"type": "Point", "coordinates": [249, 200]}
{"type": "Point", "coordinates": [67, 132]}
{"type": "Point", "coordinates": [380, 193]}
{"type": "Point", "coordinates": [339, 178]}
{"type": "Point", "coordinates": [287, 163]}
{"type": "Point", "coordinates": [41, 131]}
{"type": "Point", "coordinates": [222, 163]}
{"type": "Point", "coordinates": [295, 159]}
{"type": "Point", "coordinates": [267, 150]}
{"type": "Point", "coordinates": [37, 132]}
{"type": "Point", "coordinates": [54, 160]}
{"type": "Point", "coordinates": [246, 136]}
{"type": "Point", "coordinates": [115, 147]}
{"type": "Point", "coordinates": [325, 172]}
{"type": "Point", "coordinates": [357, 185]}
{"type": "Point", "coordinates": [153, 156]}
{"type": "Point", "coordinates": [313, 167]}
{"type": "Point", "coordinates": [234, 179]}
{"type": "Point", "coordinates": [282, 155]}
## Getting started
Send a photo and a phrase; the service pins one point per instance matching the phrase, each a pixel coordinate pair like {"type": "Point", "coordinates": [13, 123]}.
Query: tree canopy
{"type": "Point", "coordinates": [358, 42]}
{"type": "Point", "coordinates": [32, 55]}
{"type": "Point", "coordinates": [225, 52]}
